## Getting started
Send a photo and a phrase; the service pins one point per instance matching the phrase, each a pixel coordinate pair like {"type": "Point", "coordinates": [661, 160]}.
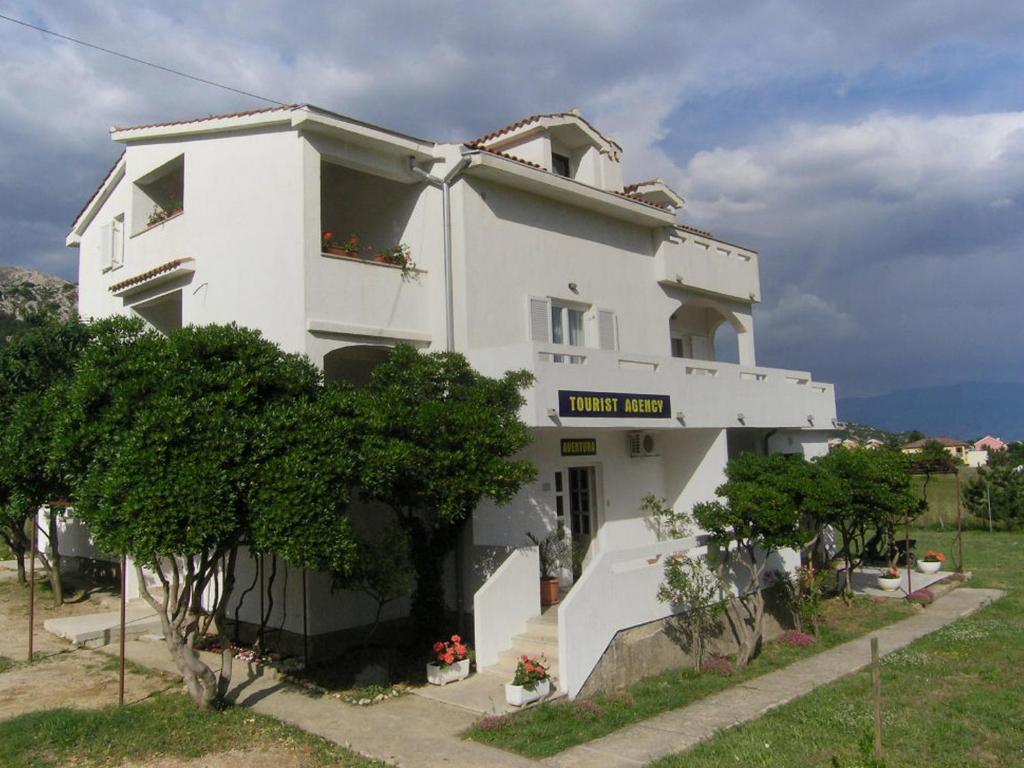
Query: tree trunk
{"type": "Point", "coordinates": [56, 581]}
{"type": "Point", "coordinates": [19, 556]}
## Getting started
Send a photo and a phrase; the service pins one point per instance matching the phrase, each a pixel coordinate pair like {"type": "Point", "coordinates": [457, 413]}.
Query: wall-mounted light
{"type": "Point", "coordinates": [741, 418]}
{"type": "Point", "coordinates": [552, 413]}
{"type": "Point", "coordinates": [810, 419]}
{"type": "Point", "coordinates": [681, 417]}
{"type": "Point", "coordinates": [574, 288]}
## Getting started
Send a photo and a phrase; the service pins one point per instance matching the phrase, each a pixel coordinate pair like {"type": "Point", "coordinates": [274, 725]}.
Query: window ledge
{"type": "Point", "coordinates": [158, 224]}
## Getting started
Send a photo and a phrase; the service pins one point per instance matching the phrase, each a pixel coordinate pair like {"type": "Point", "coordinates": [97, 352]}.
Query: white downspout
{"type": "Point", "coordinates": [445, 184]}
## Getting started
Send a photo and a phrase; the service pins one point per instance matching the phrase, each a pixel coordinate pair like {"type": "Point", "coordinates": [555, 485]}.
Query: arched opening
{"type": "Point", "coordinates": [701, 329]}
{"type": "Point", "coordinates": [354, 363]}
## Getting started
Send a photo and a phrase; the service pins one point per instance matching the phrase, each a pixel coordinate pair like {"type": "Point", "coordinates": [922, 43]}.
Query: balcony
{"type": "Point", "coordinates": [701, 263]}
{"type": "Point", "coordinates": [691, 393]}
{"type": "Point", "coordinates": [357, 297]}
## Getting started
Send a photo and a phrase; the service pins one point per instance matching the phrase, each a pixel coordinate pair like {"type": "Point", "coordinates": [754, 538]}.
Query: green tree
{"type": "Point", "coordinates": [699, 596]}
{"type": "Point", "coordinates": [35, 368]}
{"type": "Point", "coordinates": [168, 434]}
{"type": "Point", "coordinates": [764, 503]}
{"type": "Point", "coordinates": [439, 438]}
{"type": "Point", "coordinates": [1001, 485]}
{"type": "Point", "coordinates": [862, 494]}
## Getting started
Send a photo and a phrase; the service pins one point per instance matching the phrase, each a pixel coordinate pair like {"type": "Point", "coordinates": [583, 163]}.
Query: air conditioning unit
{"type": "Point", "coordinates": [641, 444]}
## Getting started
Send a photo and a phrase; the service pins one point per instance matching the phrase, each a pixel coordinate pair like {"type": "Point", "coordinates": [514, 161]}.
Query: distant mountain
{"type": "Point", "coordinates": [966, 411]}
{"type": "Point", "coordinates": [23, 290]}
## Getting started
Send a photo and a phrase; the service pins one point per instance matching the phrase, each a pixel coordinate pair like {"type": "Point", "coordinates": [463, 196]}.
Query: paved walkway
{"type": "Point", "coordinates": [682, 729]}
{"type": "Point", "coordinates": [413, 732]}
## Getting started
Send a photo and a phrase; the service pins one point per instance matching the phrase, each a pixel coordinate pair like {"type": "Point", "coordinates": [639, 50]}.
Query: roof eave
{"type": "Point", "coordinates": [571, 192]}
{"type": "Point", "coordinates": [74, 238]}
{"type": "Point", "coordinates": [282, 116]}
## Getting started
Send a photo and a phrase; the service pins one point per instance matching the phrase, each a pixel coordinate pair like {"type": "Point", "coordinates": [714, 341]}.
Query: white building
{"type": "Point", "coordinates": [530, 252]}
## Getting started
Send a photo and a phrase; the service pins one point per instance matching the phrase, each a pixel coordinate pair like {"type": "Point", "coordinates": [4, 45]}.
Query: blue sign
{"type": "Point", "coordinates": [613, 405]}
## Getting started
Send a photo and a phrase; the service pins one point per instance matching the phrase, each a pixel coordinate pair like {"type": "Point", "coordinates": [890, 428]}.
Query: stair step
{"type": "Point", "coordinates": [509, 660]}
{"type": "Point", "coordinates": [541, 627]}
{"type": "Point", "coordinates": [535, 644]}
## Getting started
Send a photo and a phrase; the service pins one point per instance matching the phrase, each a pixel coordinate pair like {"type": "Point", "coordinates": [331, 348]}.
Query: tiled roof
{"type": "Point", "coordinates": [243, 113]}
{"type": "Point", "coordinates": [638, 199]}
{"type": "Point", "coordinates": [536, 118]}
{"type": "Point", "coordinates": [155, 272]}
{"type": "Point", "coordinates": [945, 442]}
{"type": "Point", "coordinates": [637, 184]}
{"type": "Point", "coordinates": [99, 189]}
{"type": "Point", "coordinates": [507, 156]}
{"type": "Point", "coordinates": [695, 231]}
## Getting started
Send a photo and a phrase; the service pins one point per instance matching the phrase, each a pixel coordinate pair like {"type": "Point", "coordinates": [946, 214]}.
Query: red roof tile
{"type": "Point", "coordinates": [637, 184]}
{"type": "Point", "coordinates": [533, 119]}
{"type": "Point", "coordinates": [99, 189]}
{"type": "Point", "coordinates": [695, 231]}
{"type": "Point", "coordinates": [243, 113]}
{"type": "Point", "coordinates": [155, 272]}
{"type": "Point", "coordinates": [945, 442]}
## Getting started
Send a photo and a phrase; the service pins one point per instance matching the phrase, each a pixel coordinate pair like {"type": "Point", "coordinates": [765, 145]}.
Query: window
{"type": "Point", "coordinates": [559, 501]}
{"type": "Point", "coordinates": [567, 328]}
{"type": "Point", "coordinates": [677, 347]}
{"type": "Point", "coordinates": [560, 165]}
{"type": "Point", "coordinates": [111, 244]}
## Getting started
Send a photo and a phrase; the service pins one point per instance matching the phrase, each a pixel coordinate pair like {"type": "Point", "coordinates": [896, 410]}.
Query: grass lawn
{"type": "Point", "coordinates": [168, 725]}
{"type": "Point", "coordinates": [954, 698]}
{"type": "Point", "coordinates": [941, 498]}
{"type": "Point", "coordinates": [551, 728]}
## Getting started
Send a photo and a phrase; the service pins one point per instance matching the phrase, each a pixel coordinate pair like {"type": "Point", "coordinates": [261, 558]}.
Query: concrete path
{"type": "Point", "coordinates": [682, 729]}
{"type": "Point", "coordinates": [415, 732]}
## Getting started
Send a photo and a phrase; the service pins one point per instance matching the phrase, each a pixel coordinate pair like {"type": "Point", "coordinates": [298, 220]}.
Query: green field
{"type": "Point", "coordinates": [168, 725]}
{"type": "Point", "coordinates": [952, 699]}
{"type": "Point", "coordinates": [941, 497]}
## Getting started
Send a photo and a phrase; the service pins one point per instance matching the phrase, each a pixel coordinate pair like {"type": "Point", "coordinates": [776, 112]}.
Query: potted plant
{"type": "Point", "coordinates": [451, 662]}
{"type": "Point", "coordinates": [531, 682]}
{"type": "Point", "coordinates": [397, 255]}
{"type": "Point", "coordinates": [329, 244]}
{"type": "Point", "coordinates": [889, 579]}
{"type": "Point", "coordinates": [931, 562]}
{"type": "Point", "coordinates": [553, 552]}
{"type": "Point", "coordinates": [161, 213]}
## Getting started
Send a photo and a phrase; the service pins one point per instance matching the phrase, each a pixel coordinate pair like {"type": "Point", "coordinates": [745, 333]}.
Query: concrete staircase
{"type": "Point", "coordinates": [539, 640]}
{"type": "Point", "coordinates": [95, 630]}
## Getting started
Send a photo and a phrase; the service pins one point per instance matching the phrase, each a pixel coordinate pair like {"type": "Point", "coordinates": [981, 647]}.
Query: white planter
{"type": "Point", "coordinates": [517, 695]}
{"type": "Point", "coordinates": [888, 583]}
{"type": "Point", "coordinates": [925, 566]}
{"type": "Point", "coordinates": [437, 675]}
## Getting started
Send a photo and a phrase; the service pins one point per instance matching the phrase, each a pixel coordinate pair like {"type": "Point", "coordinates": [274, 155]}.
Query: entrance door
{"type": "Point", "coordinates": [582, 513]}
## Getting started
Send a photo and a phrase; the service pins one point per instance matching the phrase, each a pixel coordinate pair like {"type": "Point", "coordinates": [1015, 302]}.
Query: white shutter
{"type": "Point", "coordinates": [540, 320]}
{"type": "Point", "coordinates": [117, 244]}
{"type": "Point", "coordinates": [606, 329]}
{"type": "Point", "coordinates": [106, 246]}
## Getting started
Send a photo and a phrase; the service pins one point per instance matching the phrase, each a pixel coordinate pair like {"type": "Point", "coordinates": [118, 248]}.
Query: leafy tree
{"type": "Point", "coordinates": [764, 502]}
{"type": "Point", "coordinates": [699, 594]}
{"type": "Point", "coordinates": [169, 434]}
{"type": "Point", "coordinates": [35, 368]}
{"type": "Point", "coordinates": [1000, 483]}
{"type": "Point", "coordinates": [914, 435]}
{"type": "Point", "coordinates": [382, 570]}
{"type": "Point", "coordinates": [439, 438]}
{"type": "Point", "coordinates": [862, 494]}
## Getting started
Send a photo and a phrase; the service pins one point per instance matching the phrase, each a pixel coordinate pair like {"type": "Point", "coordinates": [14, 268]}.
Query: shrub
{"type": "Point", "coordinates": [922, 596]}
{"type": "Point", "coordinates": [797, 639]}
{"type": "Point", "coordinates": [588, 709]}
{"type": "Point", "coordinates": [719, 665]}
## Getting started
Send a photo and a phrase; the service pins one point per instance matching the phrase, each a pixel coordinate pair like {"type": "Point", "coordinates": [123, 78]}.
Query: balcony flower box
{"type": "Point", "coordinates": [451, 673]}
{"type": "Point", "coordinates": [520, 695]}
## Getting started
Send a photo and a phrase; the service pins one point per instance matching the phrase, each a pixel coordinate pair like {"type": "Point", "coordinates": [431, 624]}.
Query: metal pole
{"type": "Point", "coordinates": [906, 550]}
{"type": "Point", "coordinates": [876, 680]}
{"type": "Point", "coordinates": [988, 498]}
{"type": "Point", "coordinates": [32, 590]}
{"type": "Point", "coordinates": [124, 601]}
{"type": "Point", "coordinates": [959, 526]}
{"type": "Point", "coordinates": [305, 624]}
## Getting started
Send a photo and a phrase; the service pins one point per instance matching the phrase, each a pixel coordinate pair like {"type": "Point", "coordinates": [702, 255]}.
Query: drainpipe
{"type": "Point", "coordinates": [445, 185]}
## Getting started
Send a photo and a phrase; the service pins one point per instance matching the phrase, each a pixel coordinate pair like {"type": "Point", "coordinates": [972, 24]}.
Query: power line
{"type": "Point", "coordinates": [139, 61]}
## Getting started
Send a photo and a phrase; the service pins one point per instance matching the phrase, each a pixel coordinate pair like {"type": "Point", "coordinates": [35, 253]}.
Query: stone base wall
{"type": "Point", "coordinates": [653, 648]}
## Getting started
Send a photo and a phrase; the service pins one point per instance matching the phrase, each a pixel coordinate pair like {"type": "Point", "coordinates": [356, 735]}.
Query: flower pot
{"type": "Point", "coordinates": [929, 566]}
{"type": "Point", "coordinates": [889, 583]}
{"type": "Point", "coordinates": [438, 675]}
{"type": "Point", "coordinates": [334, 250]}
{"type": "Point", "coordinates": [549, 591]}
{"type": "Point", "coordinates": [378, 259]}
{"type": "Point", "coordinates": [518, 695]}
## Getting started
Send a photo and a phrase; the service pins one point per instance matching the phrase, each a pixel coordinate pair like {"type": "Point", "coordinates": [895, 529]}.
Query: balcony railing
{"type": "Point", "coordinates": [708, 265]}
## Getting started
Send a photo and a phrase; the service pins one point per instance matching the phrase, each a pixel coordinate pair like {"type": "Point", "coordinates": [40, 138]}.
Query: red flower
{"type": "Point", "coordinates": [456, 639]}
{"type": "Point", "coordinates": [449, 658]}
{"type": "Point", "coordinates": [438, 646]}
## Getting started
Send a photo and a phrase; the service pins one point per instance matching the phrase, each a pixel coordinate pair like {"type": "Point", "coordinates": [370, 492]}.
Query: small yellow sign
{"type": "Point", "coordinates": [579, 446]}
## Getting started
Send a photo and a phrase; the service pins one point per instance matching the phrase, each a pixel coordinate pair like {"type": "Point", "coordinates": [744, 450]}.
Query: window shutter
{"type": "Point", "coordinates": [117, 244]}
{"type": "Point", "coordinates": [606, 329]}
{"type": "Point", "coordinates": [106, 246]}
{"type": "Point", "coordinates": [540, 320]}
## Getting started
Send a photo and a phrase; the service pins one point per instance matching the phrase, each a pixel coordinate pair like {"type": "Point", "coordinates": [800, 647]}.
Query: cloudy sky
{"type": "Point", "coordinates": [873, 152]}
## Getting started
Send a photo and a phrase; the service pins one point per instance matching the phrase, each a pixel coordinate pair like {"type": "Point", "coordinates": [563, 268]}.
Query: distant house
{"type": "Point", "coordinates": [990, 443]}
{"type": "Point", "coordinates": [958, 449]}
